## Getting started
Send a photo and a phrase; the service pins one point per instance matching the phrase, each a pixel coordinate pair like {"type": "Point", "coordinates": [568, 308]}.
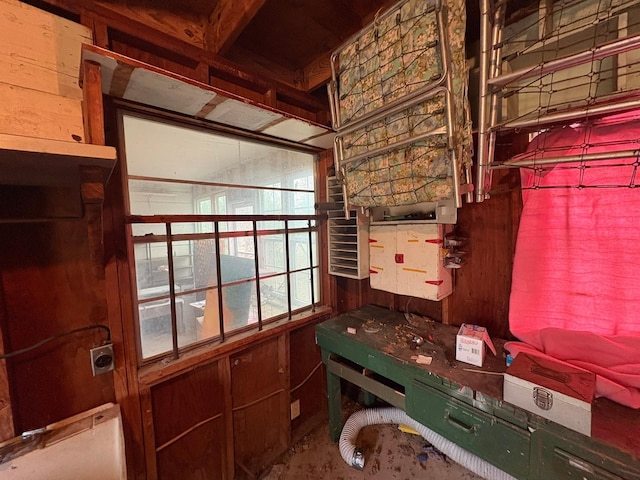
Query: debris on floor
{"type": "Point", "coordinates": [390, 455]}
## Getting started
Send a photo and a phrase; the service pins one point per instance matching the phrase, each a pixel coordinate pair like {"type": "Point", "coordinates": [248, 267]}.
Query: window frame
{"type": "Point", "coordinates": [314, 226]}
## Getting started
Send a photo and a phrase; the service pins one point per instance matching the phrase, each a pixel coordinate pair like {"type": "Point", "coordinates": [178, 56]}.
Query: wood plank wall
{"type": "Point", "coordinates": [39, 76]}
{"type": "Point", "coordinates": [230, 417]}
{"type": "Point", "coordinates": [48, 288]}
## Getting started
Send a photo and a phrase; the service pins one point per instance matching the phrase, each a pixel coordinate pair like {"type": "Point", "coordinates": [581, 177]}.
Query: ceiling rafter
{"type": "Point", "coordinates": [227, 21]}
{"type": "Point", "coordinates": [316, 72]}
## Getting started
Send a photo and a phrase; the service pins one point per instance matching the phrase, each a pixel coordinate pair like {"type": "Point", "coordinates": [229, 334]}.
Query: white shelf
{"type": "Point", "coordinates": [39, 161]}
{"type": "Point", "coordinates": [348, 240]}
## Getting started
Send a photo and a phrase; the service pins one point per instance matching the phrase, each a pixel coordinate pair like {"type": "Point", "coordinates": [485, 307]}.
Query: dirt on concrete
{"type": "Point", "coordinates": [390, 454]}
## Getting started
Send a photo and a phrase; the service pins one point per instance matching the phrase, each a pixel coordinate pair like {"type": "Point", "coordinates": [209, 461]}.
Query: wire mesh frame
{"type": "Point", "coordinates": [448, 132]}
{"type": "Point", "coordinates": [444, 84]}
{"type": "Point", "coordinates": [332, 87]}
{"type": "Point", "coordinates": [169, 238]}
{"type": "Point", "coordinates": [496, 85]}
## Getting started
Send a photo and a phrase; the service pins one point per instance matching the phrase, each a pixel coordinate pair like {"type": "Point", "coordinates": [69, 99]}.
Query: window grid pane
{"type": "Point", "coordinates": [262, 179]}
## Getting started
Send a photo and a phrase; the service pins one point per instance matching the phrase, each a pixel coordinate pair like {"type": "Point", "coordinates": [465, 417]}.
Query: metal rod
{"type": "Point", "coordinates": [215, 218]}
{"type": "Point", "coordinates": [450, 115]}
{"type": "Point", "coordinates": [288, 261]}
{"type": "Point", "coordinates": [571, 115]}
{"type": "Point", "coordinates": [257, 268]}
{"type": "Point", "coordinates": [397, 108]}
{"type": "Point", "coordinates": [205, 236]}
{"type": "Point", "coordinates": [215, 184]}
{"type": "Point", "coordinates": [219, 281]}
{"type": "Point", "coordinates": [483, 114]}
{"type": "Point", "coordinates": [332, 93]}
{"type": "Point", "coordinates": [615, 47]}
{"type": "Point", "coordinates": [495, 69]}
{"type": "Point", "coordinates": [172, 293]}
{"type": "Point", "coordinates": [400, 144]}
{"type": "Point", "coordinates": [587, 157]}
{"type": "Point", "coordinates": [313, 297]}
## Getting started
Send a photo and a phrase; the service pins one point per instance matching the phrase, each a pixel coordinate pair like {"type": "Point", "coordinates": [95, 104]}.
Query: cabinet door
{"type": "Point", "coordinates": [492, 439]}
{"type": "Point", "coordinates": [418, 267]}
{"type": "Point", "coordinates": [573, 456]}
{"type": "Point", "coordinates": [188, 425]}
{"type": "Point", "coordinates": [382, 260]}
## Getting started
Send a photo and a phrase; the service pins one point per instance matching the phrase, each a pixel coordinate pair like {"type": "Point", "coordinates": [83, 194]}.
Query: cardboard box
{"type": "Point", "coordinates": [470, 344]}
{"type": "Point", "coordinates": [552, 389]}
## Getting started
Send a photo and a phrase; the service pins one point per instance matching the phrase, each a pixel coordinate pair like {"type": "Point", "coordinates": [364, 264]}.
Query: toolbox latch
{"type": "Point", "coordinates": [543, 398]}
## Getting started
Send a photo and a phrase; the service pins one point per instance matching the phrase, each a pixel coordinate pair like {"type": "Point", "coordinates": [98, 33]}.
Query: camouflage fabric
{"type": "Point", "coordinates": [397, 56]}
{"type": "Point", "coordinates": [400, 55]}
{"type": "Point", "coordinates": [419, 172]}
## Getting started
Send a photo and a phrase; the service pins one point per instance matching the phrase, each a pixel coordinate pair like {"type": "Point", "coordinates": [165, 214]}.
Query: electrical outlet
{"type": "Point", "coordinates": [295, 409]}
{"type": "Point", "coordinates": [102, 359]}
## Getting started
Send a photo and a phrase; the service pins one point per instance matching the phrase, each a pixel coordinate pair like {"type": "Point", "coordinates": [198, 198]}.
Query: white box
{"type": "Point", "coordinates": [470, 344]}
{"type": "Point", "coordinates": [554, 390]}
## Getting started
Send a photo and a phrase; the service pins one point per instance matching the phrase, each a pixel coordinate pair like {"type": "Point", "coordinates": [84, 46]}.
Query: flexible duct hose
{"type": "Point", "coordinates": [376, 416]}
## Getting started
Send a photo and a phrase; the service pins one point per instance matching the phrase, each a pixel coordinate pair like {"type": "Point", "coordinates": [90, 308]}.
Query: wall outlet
{"type": "Point", "coordinates": [102, 359]}
{"type": "Point", "coordinates": [295, 409]}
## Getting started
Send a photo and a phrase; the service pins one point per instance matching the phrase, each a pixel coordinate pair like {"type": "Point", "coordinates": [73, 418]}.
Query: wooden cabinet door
{"type": "Point", "coordinates": [259, 388]}
{"type": "Point", "coordinates": [189, 425]}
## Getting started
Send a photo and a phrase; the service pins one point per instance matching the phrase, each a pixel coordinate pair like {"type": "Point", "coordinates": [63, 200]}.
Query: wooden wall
{"type": "Point", "coordinates": [49, 288]}
{"type": "Point", "coordinates": [230, 417]}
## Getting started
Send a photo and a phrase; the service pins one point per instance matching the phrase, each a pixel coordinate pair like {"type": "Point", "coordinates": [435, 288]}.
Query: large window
{"type": "Point", "coordinates": [222, 231]}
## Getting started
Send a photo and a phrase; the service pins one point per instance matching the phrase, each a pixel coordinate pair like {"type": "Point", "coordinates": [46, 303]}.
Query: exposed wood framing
{"type": "Point", "coordinates": [123, 336]}
{"type": "Point", "coordinates": [92, 193]}
{"type": "Point", "coordinates": [181, 26]}
{"type": "Point", "coordinates": [316, 73]}
{"type": "Point", "coordinates": [92, 109]}
{"type": "Point", "coordinates": [109, 22]}
{"type": "Point", "coordinates": [226, 22]}
{"type": "Point", "coordinates": [6, 413]}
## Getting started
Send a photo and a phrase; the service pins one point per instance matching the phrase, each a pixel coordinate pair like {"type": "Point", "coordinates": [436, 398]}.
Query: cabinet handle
{"type": "Point", "coordinates": [458, 423]}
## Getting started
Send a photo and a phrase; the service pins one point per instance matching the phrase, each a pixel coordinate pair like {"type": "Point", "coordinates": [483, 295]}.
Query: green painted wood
{"type": "Point", "coordinates": [563, 454]}
{"type": "Point", "coordinates": [467, 407]}
{"type": "Point", "coordinates": [498, 442]}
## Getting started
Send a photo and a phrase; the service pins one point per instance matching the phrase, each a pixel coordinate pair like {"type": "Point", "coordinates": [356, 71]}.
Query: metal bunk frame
{"type": "Point", "coordinates": [441, 85]}
{"type": "Point", "coordinates": [495, 85]}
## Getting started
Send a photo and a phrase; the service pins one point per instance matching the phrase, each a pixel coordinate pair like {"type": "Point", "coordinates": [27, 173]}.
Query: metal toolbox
{"type": "Point", "coordinates": [554, 390]}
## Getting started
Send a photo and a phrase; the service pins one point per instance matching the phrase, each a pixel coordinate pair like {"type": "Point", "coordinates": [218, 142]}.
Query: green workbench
{"type": "Point", "coordinates": [372, 347]}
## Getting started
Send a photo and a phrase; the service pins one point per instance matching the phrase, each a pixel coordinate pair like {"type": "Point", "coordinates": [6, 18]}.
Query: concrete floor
{"type": "Point", "coordinates": [390, 454]}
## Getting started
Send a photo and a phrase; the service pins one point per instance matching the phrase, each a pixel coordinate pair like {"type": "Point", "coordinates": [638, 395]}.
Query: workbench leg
{"type": "Point", "coordinates": [334, 395]}
{"type": "Point", "coordinates": [368, 398]}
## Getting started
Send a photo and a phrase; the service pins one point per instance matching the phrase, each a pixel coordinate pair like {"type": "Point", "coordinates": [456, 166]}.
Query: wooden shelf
{"type": "Point", "coordinates": [51, 180]}
{"type": "Point", "coordinates": [38, 161]}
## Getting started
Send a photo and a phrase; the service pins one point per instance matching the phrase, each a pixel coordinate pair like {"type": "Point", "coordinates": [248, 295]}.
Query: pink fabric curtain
{"type": "Point", "coordinates": [576, 278]}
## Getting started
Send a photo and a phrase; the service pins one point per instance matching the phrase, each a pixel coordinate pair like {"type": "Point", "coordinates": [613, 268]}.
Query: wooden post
{"type": "Point", "coordinates": [93, 178]}
{"type": "Point", "coordinates": [92, 193]}
{"type": "Point", "coordinates": [6, 413]}
{"type": "Point", "coordinates": [92, 108]}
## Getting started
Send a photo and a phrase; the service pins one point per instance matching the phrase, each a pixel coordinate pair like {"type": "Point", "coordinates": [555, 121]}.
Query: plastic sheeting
{"type": "Point", "coordinates": [576, 278]}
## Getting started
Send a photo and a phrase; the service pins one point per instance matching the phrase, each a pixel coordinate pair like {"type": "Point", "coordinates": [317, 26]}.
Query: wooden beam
{"type": "Point", "coordinates": [120, 305]}
{"type": "Point", "coordinates": [6, 412]}
{"type": "Point", "coordinates": [226, 22]}
{"type": "Point", "coordinates": [316, 73]}
{"type": "Point", "coordinates": [264, 67]}
{"type": "Point", "coordinates": [92, 193]}
{"type": "Point", "coordinates": [92, 110]}
{"type": "Point", "coordinates": [182, 26]}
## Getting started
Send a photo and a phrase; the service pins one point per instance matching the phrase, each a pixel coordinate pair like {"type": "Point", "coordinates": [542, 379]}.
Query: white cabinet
{"type": "Point", "coordinates": [408, 260]}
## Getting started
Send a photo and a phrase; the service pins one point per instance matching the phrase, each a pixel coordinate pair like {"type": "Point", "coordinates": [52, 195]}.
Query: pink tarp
{"type": "Point", "coordinates": [576, 278]}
